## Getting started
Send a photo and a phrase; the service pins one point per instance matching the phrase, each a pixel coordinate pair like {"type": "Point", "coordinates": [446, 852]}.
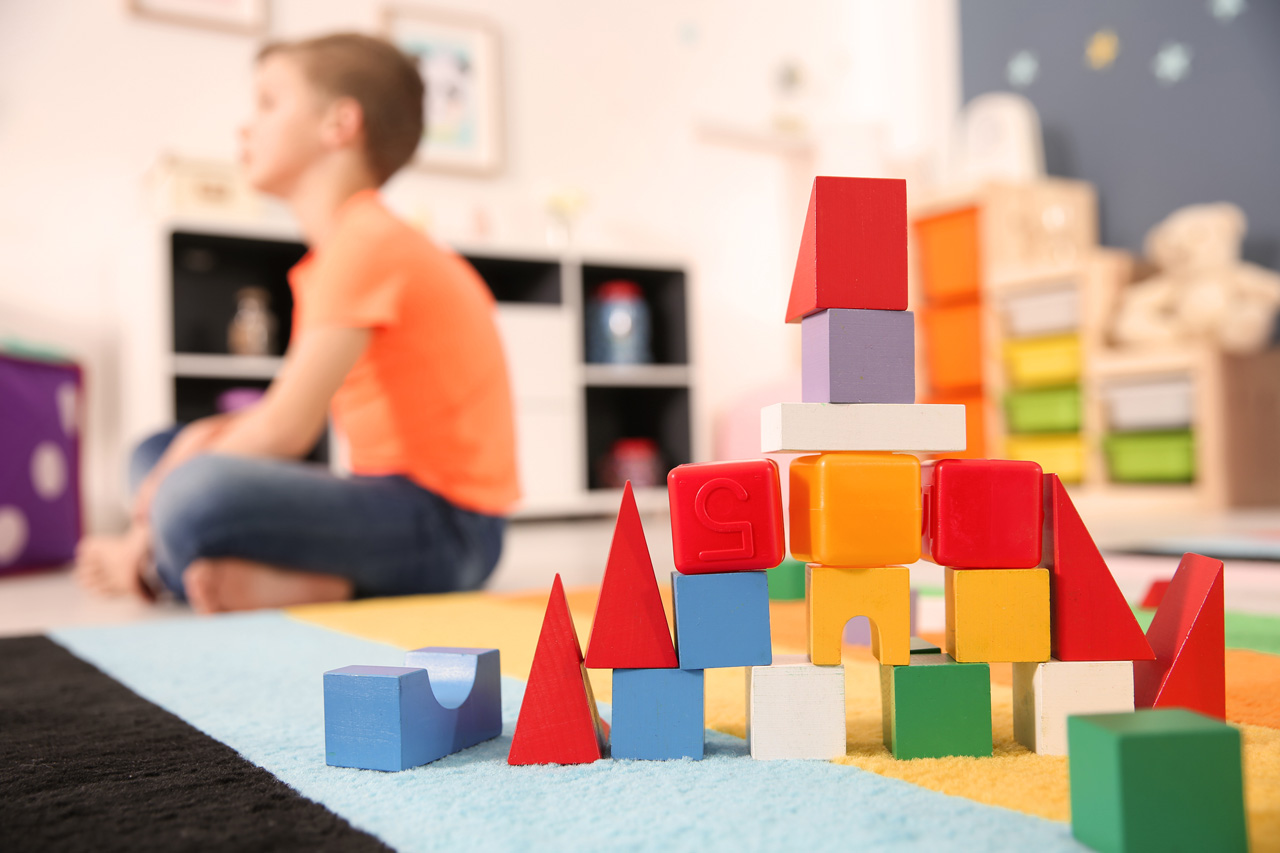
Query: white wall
{"type": "Point", "coordinates": [604, 97]}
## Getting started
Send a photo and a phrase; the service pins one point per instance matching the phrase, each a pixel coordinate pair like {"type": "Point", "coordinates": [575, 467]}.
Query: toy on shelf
{"type": "Point", "coordinates": [441, 701]}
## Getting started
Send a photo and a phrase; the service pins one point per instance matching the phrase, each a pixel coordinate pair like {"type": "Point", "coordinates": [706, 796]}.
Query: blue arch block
{"type": "Point", "coordinates": [397, 717]}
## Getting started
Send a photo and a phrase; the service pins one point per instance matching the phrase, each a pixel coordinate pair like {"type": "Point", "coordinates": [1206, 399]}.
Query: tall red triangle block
{"type": "Point", "coordinates": [1188, 635]}
{"type": "Point", "coordinates": [853, 253]}
{"type": "Point", "coordinates": [558, 722]}
{"type": "Point", "coordinates": [629, 630]}
{"type": "Point", "coordinates": [1089, 617]}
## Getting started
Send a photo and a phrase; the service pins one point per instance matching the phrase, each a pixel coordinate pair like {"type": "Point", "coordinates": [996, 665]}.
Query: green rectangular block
{"type": "Point", "coordinates": [1043, 410]}
{"type": "Point", "coordinates": [786, 581]}
{"type": "Point", "coordinates": [1156, 780]}
{"type": "Point", "coordinates": [936, 707]}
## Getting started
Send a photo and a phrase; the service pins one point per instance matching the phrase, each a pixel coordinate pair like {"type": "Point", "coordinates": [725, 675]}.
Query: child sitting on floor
{"type": "Point", "coordinates": [392, 334]}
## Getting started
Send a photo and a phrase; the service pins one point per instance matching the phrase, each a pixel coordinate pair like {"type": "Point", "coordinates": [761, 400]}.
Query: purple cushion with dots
{"type": "Point", "coordinates": [40, 405]}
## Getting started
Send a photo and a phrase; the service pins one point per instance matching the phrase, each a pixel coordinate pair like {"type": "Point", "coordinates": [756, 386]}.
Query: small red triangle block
{"type": "Point", "coordinates": [558, 721]}
{"type": "Point", "coordinates": [629, 630]}
{"type": "Point", "coordinates": [853, 252]}
{"type": "Point", "coordinates": [1188, 635]}
{"type": "Point", "coordinates": [1089, 617]}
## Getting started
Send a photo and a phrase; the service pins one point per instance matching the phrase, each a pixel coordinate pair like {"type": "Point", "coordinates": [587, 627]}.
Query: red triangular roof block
{"type": "Point", "coordinates": [1090, 619]}
{"type": "Point", "coordinates": [853, 252]}
{"type": "Point", "coordinates": [558, 721]}
{"type": "Point", "coordinates": [1188, 635]}
{"type": "Point", "coordinates": [630, 630]}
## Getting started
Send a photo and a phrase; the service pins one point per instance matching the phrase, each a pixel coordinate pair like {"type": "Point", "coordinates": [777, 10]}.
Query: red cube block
{"type": "Point", "coordinates": [983, 513]}
{"type": "Point", "coordinates": [726, 516]}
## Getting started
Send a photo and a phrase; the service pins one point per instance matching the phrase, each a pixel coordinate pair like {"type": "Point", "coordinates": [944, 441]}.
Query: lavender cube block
{"type": "Point", "coordinates": [854, 355]}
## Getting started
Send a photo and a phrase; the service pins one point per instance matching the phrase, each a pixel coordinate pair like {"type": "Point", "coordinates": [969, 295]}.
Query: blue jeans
{"type": "Point", "coordinates": [388, 535]}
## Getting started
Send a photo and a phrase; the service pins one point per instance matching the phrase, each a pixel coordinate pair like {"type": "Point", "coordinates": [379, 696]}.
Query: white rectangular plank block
{"type": "Point", "coordinates": [825, 427]}
{"type": "Point", "coordinates": [795, 709]}
{"type": "Point", "coordinates": [1045, 694]}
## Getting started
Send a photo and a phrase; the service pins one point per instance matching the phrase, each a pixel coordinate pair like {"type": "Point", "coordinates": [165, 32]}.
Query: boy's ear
{"type": "Point", "coordinates": [343, 123]}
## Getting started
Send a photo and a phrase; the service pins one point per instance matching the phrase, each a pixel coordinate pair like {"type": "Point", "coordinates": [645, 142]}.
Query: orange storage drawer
{"type": "Point", "coordinates": [953, 347]}
{"type": "Point", "coordinates": [949, 255]}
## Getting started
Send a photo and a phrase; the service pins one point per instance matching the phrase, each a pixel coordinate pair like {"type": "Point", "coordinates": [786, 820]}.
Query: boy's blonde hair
{"type": "Point", "coordinates": [380, 78]}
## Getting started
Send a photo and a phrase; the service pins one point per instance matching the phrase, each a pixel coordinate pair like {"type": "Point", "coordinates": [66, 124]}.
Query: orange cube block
{"type": "Point", "coordinates": [859, 510]}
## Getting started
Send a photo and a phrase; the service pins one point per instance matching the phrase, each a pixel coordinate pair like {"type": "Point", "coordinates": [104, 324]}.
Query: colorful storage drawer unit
{"type": "Point", "coordinates": [950, 264]}
{"type": "Point", "coordinates": [1151, 457]}
{"type": "Point", "coordinates": [1159, 403]}
{"type": "Point", "coordinates": [1041, 362]}
{"type": "Point", "coordinates": [953, 347]}
{"type": "Point", "coordinates": [1057, 454]}
{"type": "Point", "coordinates": [1043, 410]}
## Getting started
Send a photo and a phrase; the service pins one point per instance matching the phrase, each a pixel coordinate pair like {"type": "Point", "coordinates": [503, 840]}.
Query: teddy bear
{"type": "Point", "coordinates": [1203, 290]}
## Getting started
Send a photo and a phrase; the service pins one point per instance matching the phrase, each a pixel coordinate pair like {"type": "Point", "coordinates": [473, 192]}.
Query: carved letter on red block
{"type": "Point", "coordinates": [726, 516]}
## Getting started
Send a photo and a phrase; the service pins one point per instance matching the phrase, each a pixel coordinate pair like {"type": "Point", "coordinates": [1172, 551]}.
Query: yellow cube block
{"type": "Point", "coordinates": [855, 509]}
{"type": "Point", "coordinates": [998, 614]}
{"type": "Point", "coordinates": [833, 596]}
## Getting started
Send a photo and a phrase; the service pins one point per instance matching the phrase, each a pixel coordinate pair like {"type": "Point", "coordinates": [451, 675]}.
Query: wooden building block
{"type": "Point", "coordinates": [726, 516]}
{"type": "Point", "coordinates": [629, 629]}
{"type": "Point", "coordinates": [1188, 637]}
{"type": "Point", "coordinates": [378, 718]}
{"type": "Point", "coordinates": [795, 709]}
{"type": "Point", "coordinates": [983, 513]}
{"type": "Point", "coordinates": [1156, 780]}
{"type": "Point", "coordinates": [722, 620]}
{"type": "Point", "coordinates": [952, 346]}
{"type": "Point", "coordinates": [1155, 594]}
{"type": "Point", "coordinates": [853, 252]}
{"type": "Point", "coordinates": [466, 691]}
{"type": "Point", "coordinates": [833, 596]}
{"type": "Point", "coordinates": [1091, 619]}
{"type": "Point", "coordinates": [658, 714]}
{"type": "Point", "coordinates": [997, 614]}
{"type": "Point", "coordinates": [1045, 694]}
{"type": "Point", "coordinates": [786, 581]}
{"type": "Point", "coordinates": [829, 427]}
{"type": "Point", "coordinates": [855, 509]}
{"type": "Point", "coordinates": [851, 355]}
{"type": "Point", "coordinates": [936, 707]}
{"type": "Point", "coordinates": [857, 631]}
{"type": "Point", "coordinates": [558, 722]}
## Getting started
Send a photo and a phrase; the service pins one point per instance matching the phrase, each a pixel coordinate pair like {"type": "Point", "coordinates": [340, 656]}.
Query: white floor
{"type": "Point", "coordinates": [577, 550]}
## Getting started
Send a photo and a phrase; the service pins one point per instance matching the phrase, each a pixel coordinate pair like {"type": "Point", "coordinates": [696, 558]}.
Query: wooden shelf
{"type": "Point", "coordinates": [211, 366]}
{"type": "Point", "coordinates": [636, 375]}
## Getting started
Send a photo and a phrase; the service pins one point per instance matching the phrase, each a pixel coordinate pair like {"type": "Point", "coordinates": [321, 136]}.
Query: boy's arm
{"type": "Point", "coordinates": [291, 416]}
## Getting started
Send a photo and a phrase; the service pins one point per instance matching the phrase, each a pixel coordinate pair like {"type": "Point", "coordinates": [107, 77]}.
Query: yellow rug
{"type": "Point", "coordinates": [1013, 778]}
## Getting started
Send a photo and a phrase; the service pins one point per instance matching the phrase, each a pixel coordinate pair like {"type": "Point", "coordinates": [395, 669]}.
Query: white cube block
{"type": "Point", "coordinates": [1045, 694]}
{"type": "Point", "coordinates": [822, 427]}
{"type": "Point", "coordinates": [795, 709]}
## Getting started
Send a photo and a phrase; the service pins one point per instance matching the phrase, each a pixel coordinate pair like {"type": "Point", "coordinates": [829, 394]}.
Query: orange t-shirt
{"type": "Point", "coordinates": [429, 398]}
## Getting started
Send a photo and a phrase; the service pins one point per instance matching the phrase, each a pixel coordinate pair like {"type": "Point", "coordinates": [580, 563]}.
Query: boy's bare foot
{"type": "Point", "coordinates": [220, 584]}
{"type": "Point", "coordinates": [113, 565]}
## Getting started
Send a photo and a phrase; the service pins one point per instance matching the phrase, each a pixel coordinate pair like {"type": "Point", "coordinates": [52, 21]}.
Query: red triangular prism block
{"type": "Point", "coordinates": [1090, 619]}
{"type": "Point", "coordinates": [630, 630]}
{"type": "Point", "coordinates": [558, 721]}
{"type": "Point", "coordinates": [853, 252]}
{"type": "Point", "coordinates": [1188, 635]}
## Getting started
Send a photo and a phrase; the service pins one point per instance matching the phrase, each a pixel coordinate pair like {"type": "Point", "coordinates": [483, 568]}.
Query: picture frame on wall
{"type": "Point", "coordinates": [460, 62]}
{"type": "Point", "coordinates": [245, 17]}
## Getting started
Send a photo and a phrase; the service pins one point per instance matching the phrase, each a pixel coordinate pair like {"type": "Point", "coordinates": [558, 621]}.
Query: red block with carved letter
{"type": "Point", "coordinates": [726, 516]}
{"type": "Point", "coordinates": [853, 252]}
{"type": "Point", "coordinates": [1188, 635]}
{"type": "Point", "coordinates": [983, 513]}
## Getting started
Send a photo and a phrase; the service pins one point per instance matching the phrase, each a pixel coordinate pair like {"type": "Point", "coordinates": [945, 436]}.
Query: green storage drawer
{"type": "Point", "coordinates": [1151, 457]}
{"type": "Point", "coordinates": [1043, 410]}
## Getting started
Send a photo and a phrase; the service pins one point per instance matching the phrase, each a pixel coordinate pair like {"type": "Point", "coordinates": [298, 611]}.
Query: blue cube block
{"type": "Point", "coordinates": [375, 717]}
{"type": "Point", "coordinates": [657, 714]}
{"type": "Point", "coordinates": [722, 619]}
{"type": "Point", "coordinates": [393, 718]}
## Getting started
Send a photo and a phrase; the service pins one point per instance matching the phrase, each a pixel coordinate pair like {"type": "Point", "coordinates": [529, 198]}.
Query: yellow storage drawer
{"type": "Point", "coordinates": [1057, 454]}
{"type": "Point", "coordinates": [1038, 362]}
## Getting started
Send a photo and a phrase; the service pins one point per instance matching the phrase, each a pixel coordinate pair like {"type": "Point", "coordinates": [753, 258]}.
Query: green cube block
{"type": "Point", "coordinates": [1163, 779]}
{"type": "Point", "coordinates": [786, 582]}
{"type": "Point", "coordinates": [935, 707]}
